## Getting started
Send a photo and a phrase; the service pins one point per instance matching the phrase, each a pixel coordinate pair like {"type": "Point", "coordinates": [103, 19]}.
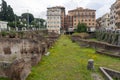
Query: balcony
{"type": "Point", "coordinates": [117, 4]}
{"type": "Point", "coordinates": [118, 11]}
{"type": "Point", "coordinates": [116, 16]}
{"type": "Point", "coordinates": [118, 21]}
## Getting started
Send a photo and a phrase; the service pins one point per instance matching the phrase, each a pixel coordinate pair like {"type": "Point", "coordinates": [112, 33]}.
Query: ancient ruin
{"type": "Point", "coordinates": [109, 36]}
{"type": "Point", "coordinates": [20, 51]}
{"type": "Point", "coordinates": [99, 46]}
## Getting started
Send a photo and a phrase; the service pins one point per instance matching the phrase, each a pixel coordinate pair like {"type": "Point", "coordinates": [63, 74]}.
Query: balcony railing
{"type": "Point", "coordinates": [118, 11]}
{"type": "Point", "coordinates": [118, 20]}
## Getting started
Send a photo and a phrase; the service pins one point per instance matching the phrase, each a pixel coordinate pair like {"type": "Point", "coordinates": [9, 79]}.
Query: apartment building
{"type": "Point", "coordinates": [87, 16]}
{"type": "Point", "coordinates": [105, 21]}
{"type": "Point", "coordinates": [112, 17]}
{"type": "Point", "coordinates": [68, 22]}
{"type": "Point", "coordinates": [55, 19]}
{"type": "Point", "coordinates": [98, 23]}
{"type": "Point", "coordinates": [117, 17]}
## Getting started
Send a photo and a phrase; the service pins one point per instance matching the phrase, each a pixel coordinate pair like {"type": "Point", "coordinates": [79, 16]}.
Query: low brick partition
{"type": "Point", "coordinates": [108, 53]}
{"type": "Point", "coordinates": [110, 74]}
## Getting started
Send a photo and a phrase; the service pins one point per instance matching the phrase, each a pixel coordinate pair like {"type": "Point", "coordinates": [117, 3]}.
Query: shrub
{"type": "Point", "coordinates": [12, 34]}
{"type": "Point", "coordinates": [82, 35]}
{"type": "Point", "coordinates": [81, 27]}
{"type": "Point", "coordinates": [4, 33]}
{"type": "Point", "coordinates": [21, 34]}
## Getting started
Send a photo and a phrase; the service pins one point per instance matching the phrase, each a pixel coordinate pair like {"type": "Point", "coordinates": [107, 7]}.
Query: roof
{"type": "Point", "coordinates": [81, 9]}
{"type": "Point", "coordinates": [3, 22]}
{"type": "Point", "coordinates": [61, 7]}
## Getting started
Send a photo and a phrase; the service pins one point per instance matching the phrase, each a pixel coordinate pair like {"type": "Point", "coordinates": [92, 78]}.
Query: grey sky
{"type": "Point", "coordinates": [38, 7]}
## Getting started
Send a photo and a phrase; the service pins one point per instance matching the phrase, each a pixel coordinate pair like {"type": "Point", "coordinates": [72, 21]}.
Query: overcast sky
{"type": "Point", "coordinates": [38, 7]}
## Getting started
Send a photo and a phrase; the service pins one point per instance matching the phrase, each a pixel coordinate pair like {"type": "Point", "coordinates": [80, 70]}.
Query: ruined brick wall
{"type": "Point", "coordinates": [111, 37]}
{"type": "Point", "coordinates": [21, 52]}
{"type": "Point", "coordinates": [97, 44]}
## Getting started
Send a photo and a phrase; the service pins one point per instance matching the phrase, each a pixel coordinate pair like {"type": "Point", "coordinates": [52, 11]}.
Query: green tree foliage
{"type": "Point", "coordinates": [38, 22]}
{"type": "Point", "coordinates": [26, 15]}
{"type": "Point", "coordinates": [6, 13]}
{"type": "Point", "coordinates": [81, 27]}
{"type": "Point", "coordinates": [11, 24]}
{"type": "Point", "coordinates": [3, 12]}
{"type": "Point", "coordinates": [42, 22]}
{"type": "Point", "coordinates": [10, 14]}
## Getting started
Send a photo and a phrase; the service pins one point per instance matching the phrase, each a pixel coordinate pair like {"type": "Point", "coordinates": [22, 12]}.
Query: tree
{"type": "Point", "coordinates": [11, 24]}
{"type": "Point", "coordinates": [10, 14]}
{"type": "Point", "coordinates": [42, 22]}
{"type": "Point", "coordinates": [81, 27]}
{"type": "Point", "coordinates": [3, 12]}
{"type": "Point", "coordinates": [6, 13]}
{"type": "Point", "coordinates": [38, 23]}
{"type": "Point", "coordinates": [26, 15]}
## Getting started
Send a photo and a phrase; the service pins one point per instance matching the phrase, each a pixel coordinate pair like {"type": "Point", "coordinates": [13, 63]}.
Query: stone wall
{"type": "Point", "coordinates": [111, 37]}
{"type": "Point", "coordinates": [97, 45]}
{"type": "Point", "coordinates": [19, 53]}
{"type": "Point", "coordinates": [110, 74]}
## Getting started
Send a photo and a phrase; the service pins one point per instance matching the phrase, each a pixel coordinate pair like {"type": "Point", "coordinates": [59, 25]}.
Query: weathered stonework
{"type": "Point", "coordinates": [97, 45]}
{"type": "Point", "coordinates": [22, 51]}
{"type": "Point", "coordinates": [110, 74]}
{"type": "Point", "coordinates": [109, 36]}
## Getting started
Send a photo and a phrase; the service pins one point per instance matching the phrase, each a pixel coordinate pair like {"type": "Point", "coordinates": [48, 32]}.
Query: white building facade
{"type": "Point", "coordinates": [54, 19]}
{"type": "Point", "coordinates": [3, 25]}
{"type": "Point", "coordinates": [105, 21]}
{"type": "Point", "coordinates": [112, 17]}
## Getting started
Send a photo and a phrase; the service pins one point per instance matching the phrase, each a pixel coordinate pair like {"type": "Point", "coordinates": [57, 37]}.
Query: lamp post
{"type": "Point", "coordinates": [28, 18]}
{"type": "Point", "coordinates": [39, 23]}
{"type": "Point", "coordinates": [15, 23]}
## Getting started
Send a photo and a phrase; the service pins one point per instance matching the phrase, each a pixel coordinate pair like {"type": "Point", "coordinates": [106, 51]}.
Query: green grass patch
{"type": "Point", "coordinates": [93, 39]}
{"type": "Point", "coordinates": [4, 79]}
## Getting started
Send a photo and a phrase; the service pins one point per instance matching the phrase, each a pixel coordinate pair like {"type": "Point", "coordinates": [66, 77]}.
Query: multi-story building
{"type": "Point", "coordinates": [112, 17]}
{"type": "Point", "coordinates": [55, 19]}
{"type": "Point", "coordinates": [117, 17]}
{"type": "Point", "coordinates": [87, 16]}
{"type": "Point", "coordinates": [98, 23]}
{"type": "Point", "coordinates": [68, 22]}
{"type": "Point", "coordinates": [105, 21]}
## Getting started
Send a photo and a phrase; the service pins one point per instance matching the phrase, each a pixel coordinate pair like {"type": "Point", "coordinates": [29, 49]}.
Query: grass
{"type": "Point", "coordinates": [93, 39]}
{"type": "Point", "coordinates": [4, 79]}
{"type": "Point", "coordinates": [68, 61]}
